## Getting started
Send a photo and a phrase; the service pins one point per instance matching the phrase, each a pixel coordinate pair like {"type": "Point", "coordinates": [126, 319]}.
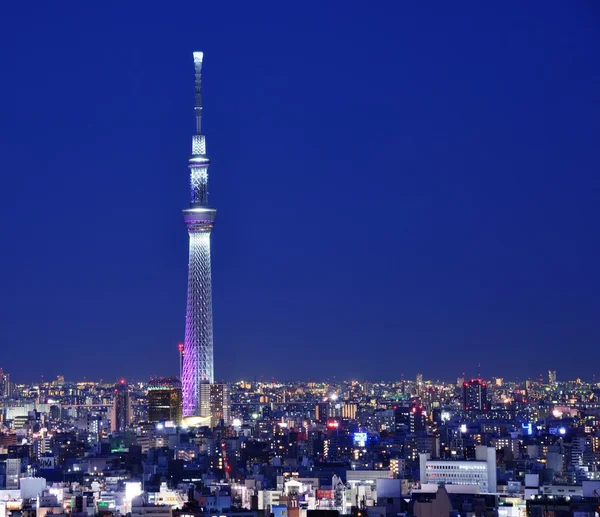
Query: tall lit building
{"type": "Point", "coordinates": [121, 410]}
{"type": "Point", "coordinates": [322, 411]}
{"type": "Point", "coordinates": [349, 410]}
{"type": "Point", "coordinates": [220, 405]}
{"type": "Point", "coordinates": [5, 385]}
{"type": "Point", "coordinates": [198, 366]}
{"type": "Point", "coordinates": [551, 377]}
{"type": "Point", "coordinates": [164, 400]}
{"type": "Point", "coordinates": [417, 419]}
{"type": "Point", "coordinates": [475, 395]}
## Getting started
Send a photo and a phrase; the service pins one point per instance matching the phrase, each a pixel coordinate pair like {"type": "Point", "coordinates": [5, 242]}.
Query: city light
{"type": "Point", "coordinates": [132, 489]}
{"type": "Point", "coordinates": [472, 442]}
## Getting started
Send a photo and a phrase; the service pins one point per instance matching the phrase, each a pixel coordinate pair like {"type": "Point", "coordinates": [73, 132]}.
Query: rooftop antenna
{"type": "Point", "coordinates": [198, 57]}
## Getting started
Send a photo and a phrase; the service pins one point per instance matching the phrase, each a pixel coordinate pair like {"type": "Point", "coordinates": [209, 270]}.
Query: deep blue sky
{"type": "Point", "coordinates": [400, 187]}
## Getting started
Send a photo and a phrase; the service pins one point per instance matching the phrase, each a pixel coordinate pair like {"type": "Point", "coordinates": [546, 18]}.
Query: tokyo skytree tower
{"type": "Point", "coordinates": [198, 367]}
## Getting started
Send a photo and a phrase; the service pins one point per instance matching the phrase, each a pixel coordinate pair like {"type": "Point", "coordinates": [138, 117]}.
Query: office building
{"type": "Point", "coordinates": [220, 405]}
{"type": "Point", "coordinates": [121, 410]}
{"type": "Point", "coordinates": [12, 473]}
{"type": "Point", "coordinates": [322, 412]}
{"type": "Point", "coordinates": [164, 400]}
{"type": "Point", "coordinates": [417, 416]}
{"type": "Point", "coordinates": [5, 385]}
{"type": "Point", "coordinates": [479, 473]}
{"type": "Point", "coordinates": [349, 410]}
{"type": "Point", "coordinates": [475, 395]}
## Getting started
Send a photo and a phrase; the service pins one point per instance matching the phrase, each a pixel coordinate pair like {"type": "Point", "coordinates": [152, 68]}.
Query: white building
{"type": "Point", "coordinates": [367, 476]}
{"type": "Point", "coordinates": [480, 473]}
{"type": "Point", "coordinates": [141, 508]}
{"type": "Point", "coordinates": [32, 487]}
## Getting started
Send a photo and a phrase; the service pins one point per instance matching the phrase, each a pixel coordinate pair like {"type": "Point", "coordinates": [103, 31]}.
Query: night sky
{"type": "Point", "coordinates": [400, 187]}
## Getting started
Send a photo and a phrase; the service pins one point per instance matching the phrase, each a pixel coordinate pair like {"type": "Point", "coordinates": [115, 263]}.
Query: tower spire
{"type": "Point", "coordinates": [198, 56]}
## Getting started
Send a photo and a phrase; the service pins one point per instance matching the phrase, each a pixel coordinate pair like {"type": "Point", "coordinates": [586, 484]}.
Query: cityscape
{"type": "Point", "coordinates": [202, 444]}
{"type": "Point", "coordinates": [383, 448]}
{"type": "Point", "coordinates": [189, 446]}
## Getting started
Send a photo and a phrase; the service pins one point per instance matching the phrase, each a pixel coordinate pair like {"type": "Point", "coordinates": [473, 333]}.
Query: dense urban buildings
{"type": "Point", "coordinates": [382, 448]}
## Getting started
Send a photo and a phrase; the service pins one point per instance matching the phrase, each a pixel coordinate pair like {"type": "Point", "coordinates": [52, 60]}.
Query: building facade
{"type": "Point", "coordinates": [480, 473]}
{"type": "Point", "coordinates": [475, 395]}
{"type": "Point", "coordinates": [121, 410]}
{"type": "Point", "coordinates": [164, 400]}
{"type": "Point", "coordinates": [220, 405]}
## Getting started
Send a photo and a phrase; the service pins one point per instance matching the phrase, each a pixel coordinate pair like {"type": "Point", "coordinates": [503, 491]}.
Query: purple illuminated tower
{"type": "Point", "coordinates": [198, 368]}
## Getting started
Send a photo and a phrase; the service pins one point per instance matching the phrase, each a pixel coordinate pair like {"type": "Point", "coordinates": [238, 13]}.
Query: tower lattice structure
{"type": "Point", "coordinates": [198, 365]}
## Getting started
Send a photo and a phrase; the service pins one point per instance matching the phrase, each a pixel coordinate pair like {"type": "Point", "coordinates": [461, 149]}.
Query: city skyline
{"type": "Point", "coordinates": [542, 378]}
{"type": "Point", "coordinates": [301, 449]}
{"type": "Point", "coordinates": [420, 198]}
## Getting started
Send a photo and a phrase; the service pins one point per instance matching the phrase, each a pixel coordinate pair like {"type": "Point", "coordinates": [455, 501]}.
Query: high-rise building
{"type": "Point", "coordinates": [417, 418]}
{"type": "Point", "coordinates": [552, 377]}
{"type": "Point", "coordinates": [475, 395]}
{"type": "Point", "coordinates": [419, 383]}
{"type": "Point", "coordinates": [199, 218]}
{"type": "Point", "coordinates": [12, 473]}
{"type": "Point", "coordinates": [164, 400]}
{"type": "Point", "coordinates": [121, 410]}
{"type": "Point", "coordinates": [401, 417]}
{"type": "Point", "coordinates": [349, 410]}
{"type": "Point", "coordinates": [322, 412]}
{"type": "Point", "coordinates": [220, 405]}
{"type": "Point", "coordinates": [367, 388]}
{"type": "Point", "coordinates": [5, 385]}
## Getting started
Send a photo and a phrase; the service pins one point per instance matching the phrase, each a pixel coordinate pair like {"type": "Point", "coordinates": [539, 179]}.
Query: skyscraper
{"type": "Point", "coordinates": [417, 416]}
{"type": "Point", "coordinates": [220, 405]}
{"type": "Point", "coordinates": [164, 400]}
{"type": "Point", "coordinates": [475, 395]}
{"type": "Point", "coordinates": [551, 377]}
{"type": "Point", "coordinates": [121, 411]}
{"type": "Point", "coordinates": [5, 385]}
{"type": "Point", "coordinates": [199, 218]}
{"type": "Point", "coordinates": [419, 383]}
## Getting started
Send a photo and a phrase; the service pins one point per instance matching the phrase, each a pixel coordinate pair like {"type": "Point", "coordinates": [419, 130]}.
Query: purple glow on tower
{"type": "Point", "coordinates": [197, 368]}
